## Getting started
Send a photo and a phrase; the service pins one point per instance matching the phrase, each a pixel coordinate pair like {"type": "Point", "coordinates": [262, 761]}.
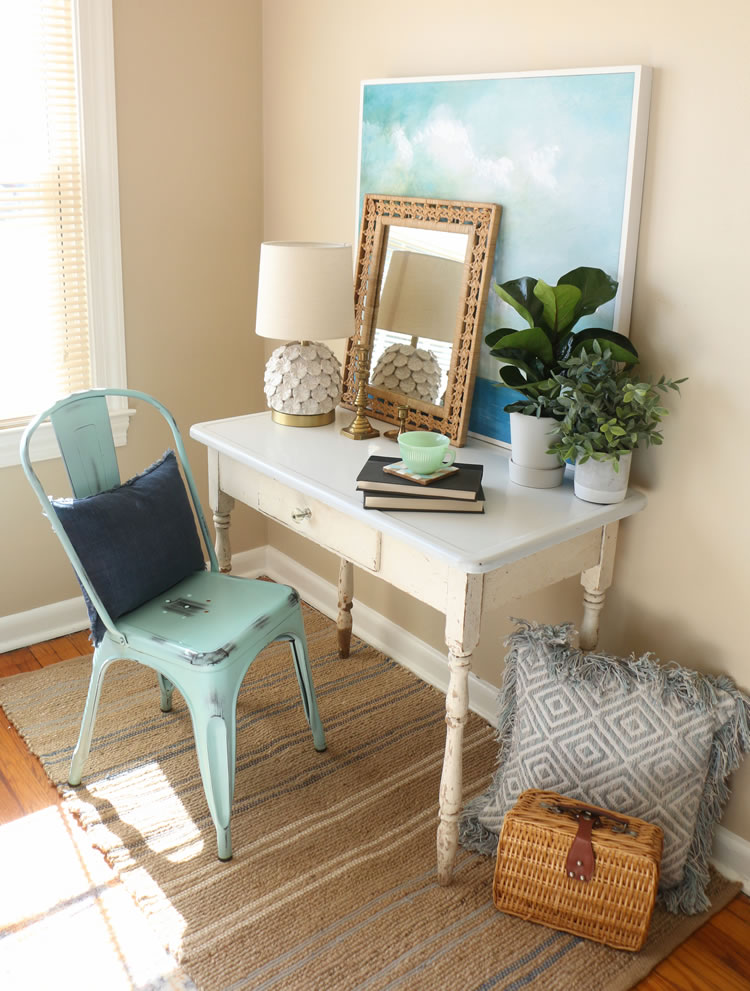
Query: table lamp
{"type": "Point", "coordinates": [305, 294]}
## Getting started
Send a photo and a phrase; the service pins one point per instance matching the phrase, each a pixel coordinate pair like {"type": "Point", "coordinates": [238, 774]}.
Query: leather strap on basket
{"type": "Point", "coordinates": [580, 860]}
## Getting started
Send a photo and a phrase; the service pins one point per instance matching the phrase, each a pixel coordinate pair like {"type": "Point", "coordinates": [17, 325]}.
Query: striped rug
{"type": "Point", "coordinates": [333, 883]}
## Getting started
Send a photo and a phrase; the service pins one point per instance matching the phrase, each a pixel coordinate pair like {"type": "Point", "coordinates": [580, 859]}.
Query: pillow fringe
{"type": "Point", "coordinates": [472, 834]}
{"type": "Point", "coordinates": [553, 644]}
{"type": "Point", "coordinates": [729, 746]}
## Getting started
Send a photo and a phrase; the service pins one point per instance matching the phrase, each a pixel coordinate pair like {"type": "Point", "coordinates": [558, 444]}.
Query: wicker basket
{"type": "Point", "coordinates": [533, 873]}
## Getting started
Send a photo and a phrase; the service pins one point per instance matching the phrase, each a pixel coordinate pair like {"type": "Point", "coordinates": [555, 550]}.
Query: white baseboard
{"type": "Point", "coordinates": [731, 853]}
{"type": "Point", "coordinates": [250, 564]}
{"type": "Point", "coordinates": [56, 620]}
{"type": "Point", "coordinates": [731, 856]}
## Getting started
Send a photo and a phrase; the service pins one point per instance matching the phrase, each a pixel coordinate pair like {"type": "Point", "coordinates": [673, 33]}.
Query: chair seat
{"type": "Point", "coordinates": [205, 617]}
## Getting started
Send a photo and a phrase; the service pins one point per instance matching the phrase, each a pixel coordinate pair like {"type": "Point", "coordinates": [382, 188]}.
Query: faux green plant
{"type": "Point", "coordinates": [605, 411]}
{"type": "Point", "coordinates": [530, 357]}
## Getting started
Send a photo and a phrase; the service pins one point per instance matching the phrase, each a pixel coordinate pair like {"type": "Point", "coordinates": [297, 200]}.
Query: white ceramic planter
{"type": "Point", "coordinates": [530, 465]}
{"type": "Point", "coordinates": [597, 481]}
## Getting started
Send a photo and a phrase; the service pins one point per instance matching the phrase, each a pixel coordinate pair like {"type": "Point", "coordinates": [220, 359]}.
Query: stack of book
{"type": "Point", "coordinates": [386, 483]}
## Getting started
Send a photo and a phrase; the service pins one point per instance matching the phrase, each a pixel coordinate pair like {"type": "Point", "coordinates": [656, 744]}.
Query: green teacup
{"type": "Point", "coordinates": [424, 452]}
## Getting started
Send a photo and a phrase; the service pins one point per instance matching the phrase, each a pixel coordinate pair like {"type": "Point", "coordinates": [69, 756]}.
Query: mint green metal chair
{"type": "Point", "coordinates": [200, 635]}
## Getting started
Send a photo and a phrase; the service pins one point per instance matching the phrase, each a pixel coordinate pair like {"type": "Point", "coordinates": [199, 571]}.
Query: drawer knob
{"type": "Point", "coordinates": [301, 514]}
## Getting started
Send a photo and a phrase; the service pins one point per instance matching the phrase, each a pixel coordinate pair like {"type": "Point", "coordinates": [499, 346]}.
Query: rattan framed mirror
{"type": "Point", "coordinates": [421, 283]}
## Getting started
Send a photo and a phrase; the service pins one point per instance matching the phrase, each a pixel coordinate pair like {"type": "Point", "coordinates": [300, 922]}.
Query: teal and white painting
{"type": "Point", "coordinates": [561, 152]}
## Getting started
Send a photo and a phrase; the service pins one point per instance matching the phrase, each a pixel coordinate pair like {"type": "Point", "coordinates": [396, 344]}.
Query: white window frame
{"type": "Point", "coordinates": [95, 47]}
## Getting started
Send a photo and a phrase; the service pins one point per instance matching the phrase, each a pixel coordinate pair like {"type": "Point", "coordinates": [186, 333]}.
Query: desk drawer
{"type": "Point", "coordinates": [328, 527]}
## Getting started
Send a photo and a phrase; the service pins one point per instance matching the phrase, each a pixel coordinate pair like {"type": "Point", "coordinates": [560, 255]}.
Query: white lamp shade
{"type": "Point", "coordinates": [305, 291]}
{"type": "Point", "coordinates": [421, 296]}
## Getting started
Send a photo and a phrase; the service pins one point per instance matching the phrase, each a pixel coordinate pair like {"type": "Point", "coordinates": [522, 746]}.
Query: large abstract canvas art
{"type": "Point", "coordinates": [562, 152]}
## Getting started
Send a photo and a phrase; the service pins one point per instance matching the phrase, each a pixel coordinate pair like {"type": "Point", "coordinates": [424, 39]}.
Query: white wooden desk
{"type": "Point", "coordinates": [459, 564]}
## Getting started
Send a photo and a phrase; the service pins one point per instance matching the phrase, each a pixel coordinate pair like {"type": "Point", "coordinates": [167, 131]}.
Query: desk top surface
{"type": "Point", "coordinates": [323, 464]}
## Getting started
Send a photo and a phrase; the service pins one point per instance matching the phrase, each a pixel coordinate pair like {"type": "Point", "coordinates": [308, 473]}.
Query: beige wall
{"type": "Point", "coordinates": [681, 578]}
{"type": "Point", "coordinates": [188, 81]}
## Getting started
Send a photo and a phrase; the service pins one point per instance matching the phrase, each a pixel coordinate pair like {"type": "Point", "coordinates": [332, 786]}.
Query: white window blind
{"type": "Point", "coordinates": [61, 310]}
{"type": "Point", "coordinates": [43, 302]}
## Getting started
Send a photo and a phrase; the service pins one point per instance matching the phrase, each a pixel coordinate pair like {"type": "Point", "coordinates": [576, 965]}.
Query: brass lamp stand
{"type": "Point", "coordinates": [360, 427]}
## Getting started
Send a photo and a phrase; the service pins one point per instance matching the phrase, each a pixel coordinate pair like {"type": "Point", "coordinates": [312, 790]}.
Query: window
{"type": "Point", "coordinates": [61, 314]}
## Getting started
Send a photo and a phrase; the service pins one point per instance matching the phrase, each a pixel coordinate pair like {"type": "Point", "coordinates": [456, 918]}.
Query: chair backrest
{"type": "Point", "coordinates": [84, 435]}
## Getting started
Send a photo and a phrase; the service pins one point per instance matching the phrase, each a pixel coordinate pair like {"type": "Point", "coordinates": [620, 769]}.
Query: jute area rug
{"type": "Point", "coordinates": [333, 883]}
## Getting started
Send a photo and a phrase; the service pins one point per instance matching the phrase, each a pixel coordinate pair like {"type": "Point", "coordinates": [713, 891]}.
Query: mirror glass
{"type": "Point", "coordinates": [423, 272]}
{"type": "Point", "coordinates": [417, 312]}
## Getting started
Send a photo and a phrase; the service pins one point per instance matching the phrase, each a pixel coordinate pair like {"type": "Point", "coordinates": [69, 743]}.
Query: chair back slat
{"type": "Point", "coordinates": [84, 435]}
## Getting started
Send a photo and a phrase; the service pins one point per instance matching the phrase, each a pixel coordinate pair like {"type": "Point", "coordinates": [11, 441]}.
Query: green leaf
{"type": "Point", "coordinates": [532, 340]}
{"type": "Point", "coordinates": [547, 385]}
{"type": "Point", "coordinates": [519, 293]}
{"type": "Point", "coordinates": [595, 286]}
{"type": "Point", "coordinates": [512, 377]}
{"type": "Point", "coordinates": [494, 336]}
{"type": "Point", "coordinates": [619, 347]}
{"type": "Point", "coordinates": [533, 368]}
{"type": "Point", "coordinates": [559, 303]}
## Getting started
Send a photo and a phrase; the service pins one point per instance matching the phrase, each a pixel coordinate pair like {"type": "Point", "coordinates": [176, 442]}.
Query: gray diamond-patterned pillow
{"type": "Point", "coordinates": [633, 736]}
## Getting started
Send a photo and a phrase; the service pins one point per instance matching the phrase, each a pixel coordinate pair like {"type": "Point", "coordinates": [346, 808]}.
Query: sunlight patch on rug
{"type": "Point", "coordinates": [61, 902]}
{"type": "Point", "coordinates": [144, 799]}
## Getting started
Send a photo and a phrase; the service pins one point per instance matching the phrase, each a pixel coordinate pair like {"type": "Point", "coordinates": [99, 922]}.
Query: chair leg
{"type": "Point", "coordinates": [165, 689]}
{"type": "Point", "coordinates": [215, 727]}
{"type": "Point", "coordinates": [307, 689]}
{"type": "Point", "coordinates": [99, 665]}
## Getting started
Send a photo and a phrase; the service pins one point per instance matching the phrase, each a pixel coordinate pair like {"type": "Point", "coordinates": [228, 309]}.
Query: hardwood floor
{"type": "Point", "coordinates": [715, 958]}
{"type": "Point", "coordinates": [24, 787]}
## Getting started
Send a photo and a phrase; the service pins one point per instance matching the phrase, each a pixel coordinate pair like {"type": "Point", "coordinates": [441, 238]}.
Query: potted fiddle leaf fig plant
{"type": "Point", "coordinates": [532, 356]}
{"type": "Point", "coordinates": [607, 412]}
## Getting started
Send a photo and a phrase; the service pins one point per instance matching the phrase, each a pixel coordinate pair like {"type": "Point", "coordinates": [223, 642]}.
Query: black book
{"type": "Point", "coordinates": [419, 502]}
{"type": "Point", "coordinates": [465, 484]}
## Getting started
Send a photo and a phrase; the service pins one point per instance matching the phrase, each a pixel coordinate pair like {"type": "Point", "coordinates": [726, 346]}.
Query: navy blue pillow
{"type": "Point", "coordinates": [135, 541]}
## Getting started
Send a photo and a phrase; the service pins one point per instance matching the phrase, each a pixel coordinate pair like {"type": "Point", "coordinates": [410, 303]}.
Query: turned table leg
{"type": "Point", "coordinates": [461, 636]}
{"type": "Point", "coordinates": [222, 546]}
{"type": "Point", "coordinates": [344, 618]}
{"type": "Point", "coordinates": [221, 505]}
{"type": "Point", "coordinates": [595, 583]}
